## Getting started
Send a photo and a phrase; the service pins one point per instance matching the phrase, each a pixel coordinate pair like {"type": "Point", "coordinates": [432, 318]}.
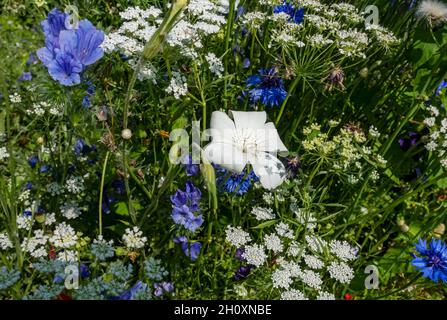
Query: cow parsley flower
{"type": "Point", "coordinates": [263, 213]}
{"type": "Point", "coordinates": [343, 250]}
{"type": "Point", "coordinates": [281, 279]}
{"type": "Point", "coordinates": [215, 65]}
{"type": "Point", "coordinates": [178, 87]}
{"type": "Point", "coordinates": [432, 261]}
{"type": "Point", "coordinates": [5, 243]}
{"type": "Point", "coordinates": [236, 236]}
{"type": "Point", "coordinates": [254, 254]}
{"type": "Point", "coordinates": [293, 294]}
{"type": "Point", "coordinates": [64, 236]}
{"type": "Point", "coordinates": [273, 242]}
{"type": "Point", "coordinates": [323, 295]}
{"type": "Point", "coordinates": [70, 210]}
{"type": "Point", "coordinates": [311, 278]}
{"type": "Point", "coordinates": [313, 262]}
{"type": "Point", "coordinates": [4, 154]}
{"type": "Point", "coordinates": [133, 238]}
{"type": "Point", "coordinates": [341, 272]}
{"type": "Point", "coordinates": [283, 230]}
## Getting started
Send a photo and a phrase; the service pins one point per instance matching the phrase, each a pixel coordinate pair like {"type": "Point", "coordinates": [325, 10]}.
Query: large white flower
{"type": "Point", "coordinates": [247, 139]}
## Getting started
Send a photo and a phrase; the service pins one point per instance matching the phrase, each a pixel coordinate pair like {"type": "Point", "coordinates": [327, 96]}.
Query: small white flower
{"type": "Point", "coordinates": [64, 236]}
{"type": "Point", "coordinates": [214, 64]}
{"type": "Point", "coordinates": [236, 236]}
{"type": "Point", "coordinates": [313, 262]}
{"type": "Point", "coordinates": [247, 139]}
{"type": "Point", "coordinates": [15, 98]}
{"type": "Point", "coordinates": [263, 213]}
{"type": "Point", "coordinates": [341, 272]}
{"type": "Point", "coordinates": [293, 294]}
{"type": "Point", "coordinates": [133, 238]}
{"type": "Point", "coordinates": [312, 279]}
{"type": "Point", "coordinates": [281, 279]}
{"type": "Point", "coordinates": [254, 254]}
{"type": "Point", "coordinates": [4, 154]}
{"type": "Point", "coordinates": [283, 230]}
{"type": "Point", "coordinates": [273, 242]}
{"type": "Point", "coordinates": [5, 243]}
{"type": "Point", "coordinates": [322, 295]}
{"type": "Point", "coordinates": [343, 250]}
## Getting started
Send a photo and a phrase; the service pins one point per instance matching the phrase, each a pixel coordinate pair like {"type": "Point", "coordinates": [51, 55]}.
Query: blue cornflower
{"type": "Point", "coordinates": [32, 161]}
{"type": "Point", "coordinates": [433, 260]}
{"type": "Point", "coordinates": [191, 250]}
{"type": "Point", "coordinates": [68, 51]}
{"type": "Point", "coordinates": [238, 183]}
{"type": "Point", "coordinates": [296, 14]}
{"type": "Point", "coordinates": [441, 86]}
{"type": "Point", "coordinates": [267, 87]}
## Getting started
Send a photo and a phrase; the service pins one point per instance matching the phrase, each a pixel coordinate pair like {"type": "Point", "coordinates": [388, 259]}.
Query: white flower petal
{"type": "Point", "coordinates": [268, 139]}
{"type": "Point", "coordinates": [222, 127]}
{"type": "Point", "coordinates": [269, 169]}
{"type": "Point", "coordinates": [249, 119]}
{"type": "Point", "coordinates": [226, 156]}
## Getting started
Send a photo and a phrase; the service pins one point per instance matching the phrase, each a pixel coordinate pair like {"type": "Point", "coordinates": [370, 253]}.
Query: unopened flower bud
{"type": "Point", "coordinates": [404, 228]}
{"type": "Point", "coordinates": [40, 140]}
{"type": "Point", "coordinates": [126, 134]}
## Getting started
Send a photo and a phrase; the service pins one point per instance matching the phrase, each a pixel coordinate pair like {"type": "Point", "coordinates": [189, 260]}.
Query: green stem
{"type": "Point", "coordinates": [101, 191]}
{"type": "Point", "coordinates": [291, 90]}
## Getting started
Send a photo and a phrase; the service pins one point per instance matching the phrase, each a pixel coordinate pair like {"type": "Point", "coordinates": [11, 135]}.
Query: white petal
{"type": "Point", "coordinates": [249, 119]}
{"type": "Point", "coordinates": [222, 127]}
{"type": "Point", "coordinates": [269, 169]}
{"type": "Point", "coordinates": [268, 139]}
{"type": "Point", "coordinates": [226, 156]}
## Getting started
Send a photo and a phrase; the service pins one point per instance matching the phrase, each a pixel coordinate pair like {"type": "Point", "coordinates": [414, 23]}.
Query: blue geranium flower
{"type": "Point", "coordinates": [267, 87]}
{"type": "Point", "coordinates": [68, 51]}
{"type": "Point", "coordinates": [433, 260]}
{"type": "Point", "coordinates": [296, 14]}
{"type": "Point", "coordinates": [131, 292]}
{"type": "Point", "coordinates": [26, 76]}
{"type": "Point", "coordinates": [192, 169]}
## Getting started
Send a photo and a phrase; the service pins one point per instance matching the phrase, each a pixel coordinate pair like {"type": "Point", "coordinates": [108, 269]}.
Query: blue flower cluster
{"type": "Point", "coordinates": [433, 260]}
{"type": "Point", "coordinates": [267, 87]}
{"type": "Point", "coordinates": [185, 204]}
{"type": "Point", "coordinates": [237, 183]}
{"type": "Point", "coordinates": [69, 49]}
{"type": "Point", "coordinates": [296, 14]}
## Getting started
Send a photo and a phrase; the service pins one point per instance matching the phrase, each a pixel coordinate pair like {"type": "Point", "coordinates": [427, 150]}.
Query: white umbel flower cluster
{"type": "Point", "coordinates": [5, 243]}
{"type": "Point", "coordinates": [255, 255]}
{"type": "Point", "coordinates": [263, 213]}
{"type": "Point", "coordinates": [178, 87]}
{"type": "Point", "coordinates": [64, 236]}
{"type": "Point", "coordinates": [293, 294]}
{"type": "Point", "coordinates": [236, 236]}
{"type": "Point", "coordinates": [4, 154]}
{"type": "Point", "coordinates": [343, 250]}
{"type": "Point", "coordinates": [35, 246]}
{"type": "Point", "coordinates": [133, 238]}
{"type": "Point", "coordinates": [215, 65]}
{"type": "Point", "coordinates": [273, 242]}
{"type": "Point", "coordinates": [341, 272]}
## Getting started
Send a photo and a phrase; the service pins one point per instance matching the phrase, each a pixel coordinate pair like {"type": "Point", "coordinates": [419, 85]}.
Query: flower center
{"type": "Point", "coordinates": [245, 140]}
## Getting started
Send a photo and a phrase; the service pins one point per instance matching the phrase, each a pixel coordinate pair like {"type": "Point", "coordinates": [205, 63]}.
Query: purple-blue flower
{"type": "Point", "coordinates": [296, 15]}
{"type": "Point", "coordinates": [26, 76]}
{"type": "Point", "coordinates": [432, 261]}
{"type": "Point", "coordinates": [192, 169]}
{"type": "Point", "coordinates": [242, 272]}
{"type": "Point", "coordinates": [191, 250]}
{"type": "Point", "coordinates": [267, 88]}
{"type": "Point", "coordinates": [68, 51]}
{"type": "Point", "coordinates": [238, 183]}
{"type": "Point", "coordinates": [162, 288]}
{"type": "Point", "coordinates": [32, 161]}
{"type": "Point", "coordinates": [131, 292]}
{"type": "Point", "coordinates": [183, 216]}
